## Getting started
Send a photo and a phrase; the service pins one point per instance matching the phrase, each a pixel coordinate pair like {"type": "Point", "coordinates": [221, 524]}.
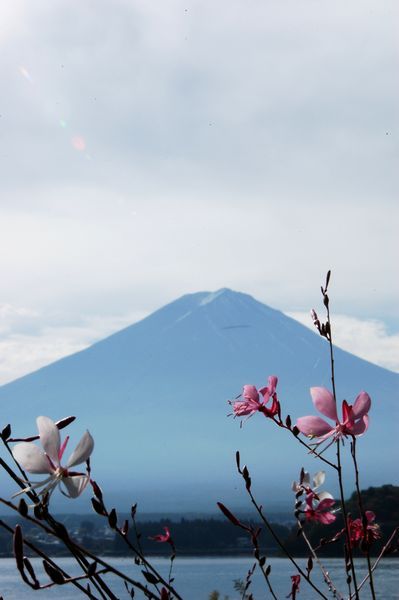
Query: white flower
{"type": "Point", "coordinates": [33, 460]}
{"type": "Point", "coordinates": [317, 481]}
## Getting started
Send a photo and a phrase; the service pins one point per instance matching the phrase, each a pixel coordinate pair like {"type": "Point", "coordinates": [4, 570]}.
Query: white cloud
{"type": "Point", "coordinates": [366, 338]}
{"type": "Point", "coordinates": [12, 317]}
{"type": "Point", "coordinates": [150, 149]}
{"type": "Point", "coordinates": [98, 250]}
{"type": "Point", "coordinates": [30, 341]}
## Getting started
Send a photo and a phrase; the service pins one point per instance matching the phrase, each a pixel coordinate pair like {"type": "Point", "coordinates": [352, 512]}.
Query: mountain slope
{"type": "Point", "coordinates": [154, 397]}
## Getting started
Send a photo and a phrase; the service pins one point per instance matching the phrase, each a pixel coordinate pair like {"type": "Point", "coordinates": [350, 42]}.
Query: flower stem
{"type": "Point", "coordinates": [44, 556]}
{"type": "Point", "coordinates": [89, 554]}
{"type": "Point", "coordinates": [325, 573]}
{"type": "Point", "coordinates": [282, 546]}
{"type": "Point", "coordinates": [315, 454]}
{"type": "Point", "coordinates": [381, 555]}
{"type": "Point", "coordinates": [345, 517]}
{"type": "Point", "coordinates": [338, 443]}
{"type": "Point", "coordinates": [363, 516]}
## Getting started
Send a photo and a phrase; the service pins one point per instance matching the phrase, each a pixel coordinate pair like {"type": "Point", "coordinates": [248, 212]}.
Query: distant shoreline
{"type": "Point", "coordinates": [205, 554]}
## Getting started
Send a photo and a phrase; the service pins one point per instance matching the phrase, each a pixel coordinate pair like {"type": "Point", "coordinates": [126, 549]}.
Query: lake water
{"type": "Point", "coordinates": [195, 578]}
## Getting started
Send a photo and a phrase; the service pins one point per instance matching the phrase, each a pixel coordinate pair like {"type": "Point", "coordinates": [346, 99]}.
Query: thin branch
{"type": "Point", "coordinates": [363, 516]}
{"type": "Point", "coordinates": [314, 453]}
{"type": "Point", "coordinates": [44, 556]}
{"type": "Point", "coordinates": [325, 573]}
{"type": "Point", "coordinates": [345, 517]}
{"type": "Point", "coordinates": [98, 559]}
{"type": "Point", "coordinates": [282, 546]}
{"type": "Point", "coordinates": [339, 466]}
{"type": "Point", "coordinates": [380, 556]}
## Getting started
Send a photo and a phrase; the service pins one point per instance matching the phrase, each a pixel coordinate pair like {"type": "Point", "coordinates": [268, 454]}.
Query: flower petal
{"type": "Point", "coordinates": [318, 479]}
{"type": "Point", "coordinates": [250, 391]}
{"type": "Point", "coordinates": [49, 438]}
{"type": "Point", "coordinates": [272, 383]}
{"type": "Point", "coordinates": [360, 427]}
{"type": "Point", "coordinates": [324, 402]}
{"type": "Point", "coordinates": [326, 503]}
{"type": "Point", "coordinates": [31, 458]}
{"type": "Point", "coordinates": [313, 426]}
{"type": "Point", "coordinates": [265, 393]}
{"type": "Point", "coordinates": [82, 450]}
{"type": "Point", "coordinates": [75, 484]}
{"type": "Point", "coordinates": [361, 405]}
{"type": "Point", "coordinates": [245, 407]}
{"type": "Point", "coordinates": [326, 518]}
{"type": "Point", "coordinates": [325, 495]}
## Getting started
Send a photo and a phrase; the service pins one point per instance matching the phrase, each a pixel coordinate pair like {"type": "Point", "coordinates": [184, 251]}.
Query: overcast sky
{"type": "Point", "coordinates": [154, 148]}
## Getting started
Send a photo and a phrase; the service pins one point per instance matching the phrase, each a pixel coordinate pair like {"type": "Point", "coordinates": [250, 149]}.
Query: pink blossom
{"type": "Point", "coordinates": [255, 401]}
{"type": "Point", "coordinates": [295, 579]}
{"type": "Point", "coordinates": [163, 537]}
{"type": "Point", "coordinates": [364, 535]}
{"type": "Point", "coordinates": [354, 418]}
{"type": "Point", "coordinates": [319, 512]}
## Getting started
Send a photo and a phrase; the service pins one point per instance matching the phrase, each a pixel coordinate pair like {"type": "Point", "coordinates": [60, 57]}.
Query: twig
{"type": "Point", "coordinates": [43, 555]}
{"type": "Point", "coordinates": [98, 559]}
{"type": "Point", "coordinates": [315, 454]}
{"type": "Point", "coordinates": [328, 336]}
{"type": "Point", "coordinates": [325, 573]}
{"type": "Point", "coordinates": [380, 556]}
{"type": "Point", "coordinates": [363, 516]}
{"type": "Point", "coordinates": [281, 545]}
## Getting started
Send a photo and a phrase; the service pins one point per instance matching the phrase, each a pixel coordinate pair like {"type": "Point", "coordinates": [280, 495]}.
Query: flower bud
{"type": "Point", "coordinates": [112, 519]}
{"type": "Point", "coordinates": [22, 508]}
{"type": "Point", "coordinates": [18, 548]}
{"type": "Point", "coordinates": [54, 573]}
{"type": "Point", "coordinates": [5, 434]}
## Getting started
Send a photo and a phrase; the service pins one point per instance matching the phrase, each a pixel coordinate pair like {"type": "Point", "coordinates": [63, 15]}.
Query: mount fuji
{"type": "Point", "coordinates": [154, 396]}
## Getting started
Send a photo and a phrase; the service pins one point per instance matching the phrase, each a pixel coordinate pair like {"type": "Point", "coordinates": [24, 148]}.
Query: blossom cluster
{"type": "Point", "coordinates": [317, 504]}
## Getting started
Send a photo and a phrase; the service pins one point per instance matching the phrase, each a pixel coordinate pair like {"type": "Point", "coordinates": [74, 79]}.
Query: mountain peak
{"type": "Point", "coordinates": [211, 296]}
{"type": "Point", "coordinates": [154, 396]}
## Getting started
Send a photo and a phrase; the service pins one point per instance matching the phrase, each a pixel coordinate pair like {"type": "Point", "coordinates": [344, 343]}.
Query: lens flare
{"type": "Point", "coordinates": [78, 143]}
{"type": "Point", "coordinates": [25, 73]}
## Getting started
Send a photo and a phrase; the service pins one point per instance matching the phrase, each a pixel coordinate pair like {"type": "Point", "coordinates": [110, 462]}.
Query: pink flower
{"type": "Point", "coordinates": [364, 535]}
{"type": "Point", "coordinates": [255, 401]}
{"type": "Point", "coordinates": [354, 418]}
{"type": "Point", "coordinates": [163, 537]}
{"type": "Point", "coordinates": [319, 512]}
{"type": "Point", "coordinates": [295, 579]}
{"type": "Point", "coordinates": [34, 460]}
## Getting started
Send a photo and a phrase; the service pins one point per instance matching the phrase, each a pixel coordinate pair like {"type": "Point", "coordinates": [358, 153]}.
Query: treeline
{"type": "Point", "coordinates": [214, 536]}
{"type": "Point", "coordinates": [383, 501]}
{"type": "Point", "coordinates": [191, 537]}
